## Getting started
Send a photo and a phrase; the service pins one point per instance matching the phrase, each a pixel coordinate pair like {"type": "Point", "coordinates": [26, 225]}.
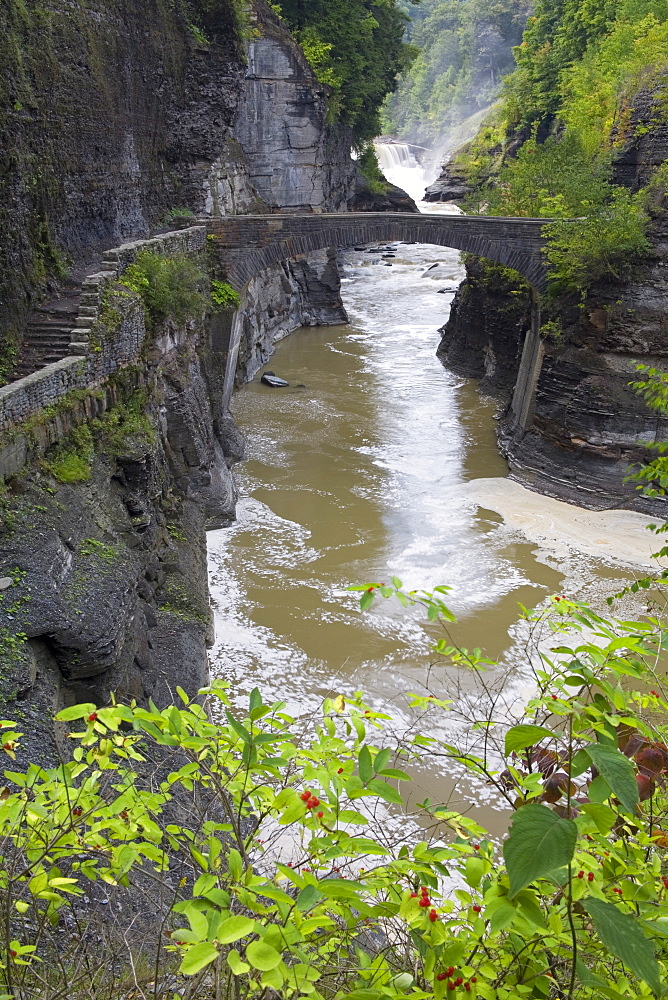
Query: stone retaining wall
{"type": "Point", "coordinates": [87, 367]}
{"type": "Point", "coordinates": [114, 262]}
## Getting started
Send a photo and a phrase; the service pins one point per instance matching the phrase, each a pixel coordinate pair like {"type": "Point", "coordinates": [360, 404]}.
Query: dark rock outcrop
{"type": "Point", "coordinates": [450, 185]}
{"type": "Point", "coordinates": [484, 335]}
{"type": "Point", "coordinates": [109, 577]}
{"type": "Point", "coordinates": [393, 199]}
{"type": "Point", "coordinates": [297, 161]}
{"type": "Point", "coordinates": [587, 426]}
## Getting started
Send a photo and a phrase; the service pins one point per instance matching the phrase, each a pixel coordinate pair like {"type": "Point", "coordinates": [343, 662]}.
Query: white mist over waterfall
{"type": "Point", "coordinates": [401, 166]}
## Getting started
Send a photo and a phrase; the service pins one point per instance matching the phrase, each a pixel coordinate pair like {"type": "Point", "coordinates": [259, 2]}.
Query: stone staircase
{"type": "Point", "coordinates": [48, 334]}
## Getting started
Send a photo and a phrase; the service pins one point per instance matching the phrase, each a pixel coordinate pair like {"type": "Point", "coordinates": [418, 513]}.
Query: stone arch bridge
{"type": "Point", "coordinates": [249, 244]}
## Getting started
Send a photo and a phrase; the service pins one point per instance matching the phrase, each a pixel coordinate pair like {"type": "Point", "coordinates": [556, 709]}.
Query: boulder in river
{"type": "Point", "coordinates": [269, 378]}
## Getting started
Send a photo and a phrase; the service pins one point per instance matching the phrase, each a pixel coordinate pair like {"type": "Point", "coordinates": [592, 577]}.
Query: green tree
{"type": "Point", "coordinates": [465, 50]}
{"type": "Point", "coordinates": [290, 882]}
{"type": "Point", "coordinates": [357, 48]}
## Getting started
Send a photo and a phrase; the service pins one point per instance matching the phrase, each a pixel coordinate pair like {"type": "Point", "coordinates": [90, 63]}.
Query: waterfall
{"type": "Point", "coordinates": [400, 165]}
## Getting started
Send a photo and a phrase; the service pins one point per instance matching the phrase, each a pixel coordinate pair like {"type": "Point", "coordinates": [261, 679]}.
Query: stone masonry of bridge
{"type": "Point", "coordinates": [248, 244]}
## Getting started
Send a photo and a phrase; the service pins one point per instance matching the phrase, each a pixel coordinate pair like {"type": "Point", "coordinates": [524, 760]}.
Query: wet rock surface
{"type": "Point", "coordinates": [450, 185]}
{"type": "Point", "coordinates": [109, 582]}
{"type": "Point", "coordinates": [588, 425]}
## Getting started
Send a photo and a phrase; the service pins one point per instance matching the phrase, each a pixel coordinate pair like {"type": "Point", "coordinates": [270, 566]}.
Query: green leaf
{"type": "Point", "coordinates": [366, 600]}
{"type": "Point", "coordinates": [197, 958]}
{"type": "Point", "coordinates": [603, 816]}
{"type": "Point", "coordinates": [262, 956]}
{"type": "Point", "coordinates": [255, 699]}
{"type": "Point", "coordinates": [352, 816]}
{"type": "Point", "coordinates": [240, 730]}
{"type": "Point", "coordinates": [308, 897]}
{"type": "Point", "coordinates": [539, 841]}
{"type": "Point", "coordinates": [594, 981]}
{"type": "Point", "coordinates": [235, 864]}
{"type": "Point", "coordinates": [474, 870]}
{"type": "Point", "coordinates": [394, 772]}
{"type": "Point", "coordinates": [234, 928]}
{"type": "Point", "coordinates": [365, 765]}
{"type": "Point", "coordinates": [502, 916]}
{"type": "Point", "coordinates": [382, 759]}
{"type": "Point", "coordinates": [528, 906]}
{"type": "Point", "coordinates": [75, 712]}
{"type": "Point", "coordinates": [236, 963]}
{"type": "Point", "coordinates": [385, 791]}
{"type": "Point", "coordinates": [521, 737]}
{"type": "Point", "coordinates": [618, 772]}
{"type": "Point", "coordinates": [580, 763]}
{"type": "Point", "coordinates": [620, 933]}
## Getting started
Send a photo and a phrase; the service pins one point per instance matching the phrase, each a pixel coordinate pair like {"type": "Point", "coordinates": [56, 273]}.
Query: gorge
{"type": "Point", "coordinates": [310, 685]}
{"type": "Point", "coordinates": [104, 531]}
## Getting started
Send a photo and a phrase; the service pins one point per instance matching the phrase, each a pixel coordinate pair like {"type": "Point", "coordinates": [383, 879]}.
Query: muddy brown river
{"type": "Point", "coordinates": [385, 464]}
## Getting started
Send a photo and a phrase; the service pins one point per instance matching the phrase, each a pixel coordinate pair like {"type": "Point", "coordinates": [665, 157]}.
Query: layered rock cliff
{"type": "Point", "coordinates": [587, 426]}
{"type": "Point", "coordinates": [103, 583]}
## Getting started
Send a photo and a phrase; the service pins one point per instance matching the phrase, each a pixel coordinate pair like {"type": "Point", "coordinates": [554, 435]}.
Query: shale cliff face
{"type": "Point", "coordinates": [103, 547]}
{"type": "Point", "coordinates": [586, 424]}
{"type": "Point", "coordinates": [111, 113]}
{"type": "Point", "coordinates": [108, 492]}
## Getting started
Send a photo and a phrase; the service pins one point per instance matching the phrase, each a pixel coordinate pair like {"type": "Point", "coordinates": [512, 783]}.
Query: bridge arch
{"type": "Point", "coordinates": [247, 245]}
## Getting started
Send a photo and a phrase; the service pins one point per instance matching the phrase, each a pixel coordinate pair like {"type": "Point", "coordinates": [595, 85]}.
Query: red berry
{"type": "Point", "coordinates": [124, 814]}
{"type": "Point", "coordinates": [476, 847]}
{"type": "Point", "coordinates": [451, 986]}
{"type": "Point", "coordinates": [92, 717]}
{"type": "Point", "coordinates": [13, 953]}
{"type": "Point", "coordinates": [581, 874]}
{"type": "Point", "coordinates": [554, 698]}
{"type": "Point", "coordinates": [474, 979]}
{"type": "Point", "coordinates": [340, 771]}
{"type": "Point", "coordinates": [320, 815]}
{"type": "Point", "coordinates": [590, 877]}
{"type": "Point", "coordinates": [459, 980]}
{"type": "Point", "coordinates": [450, 970]}
{"type": "Point", "coordinates": [289, 864]}
{"type": "Point", "coordinates": [77, 811]}
{"type": "Point", "coordinates": [441, 976]}
{"type": "Point", "coordinates": [424, 890]}
{"type": "Point", "coordinates": [467, 987]}
{"type": "Point", "coordinates": [424, 902]}
{"type": "Point", "coordinates": [617, 890]}
{"type": "Point", "coordinates": [433, 915]}
{"type": "Point", "coordinates": [654, 693]}
{"type": "Point", "coordinates": [477, 909]}
{"type": "Point", "coordinates": [414, 895]}
{"type": "Point", "coordinates": [305, 796]}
